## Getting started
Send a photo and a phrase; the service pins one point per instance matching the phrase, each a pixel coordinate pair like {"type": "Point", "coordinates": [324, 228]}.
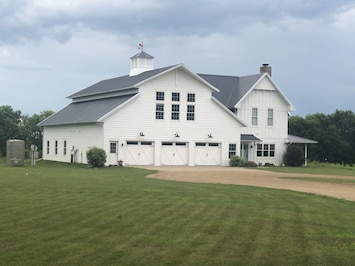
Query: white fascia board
{"type": "Point", "coordinates": [228, 111]}
{"type": "Point", "coordinates": [184, 68]}
{"type": "Point", "coordinates": [101, 119]}
{"type": "Point", "coordinates": [266, 75]}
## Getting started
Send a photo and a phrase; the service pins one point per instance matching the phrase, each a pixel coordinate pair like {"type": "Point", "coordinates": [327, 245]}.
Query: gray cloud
{"type": "Point", "coordinates": [308, 43]}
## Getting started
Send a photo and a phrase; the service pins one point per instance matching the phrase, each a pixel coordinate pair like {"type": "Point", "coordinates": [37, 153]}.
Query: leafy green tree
{"type": "Point", "coordinates": [10, 123]}
{"type": "Point", "coordinates": [33, 134]}
{"type": "Point", "coordinates": [335, 134]}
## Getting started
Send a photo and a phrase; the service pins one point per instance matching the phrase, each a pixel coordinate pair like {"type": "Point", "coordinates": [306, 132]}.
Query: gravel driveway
{"type": "Point", "coordinates": [259, 178]}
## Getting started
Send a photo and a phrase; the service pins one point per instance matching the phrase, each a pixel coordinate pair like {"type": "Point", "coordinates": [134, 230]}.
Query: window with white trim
{"type": "Point", "coordinates": [159, 96]}
{"type": "Point", "coordinates": [65, 147]}
{"type": "Point", "coordinates": [113, 147]}
{"type": "Point", "coordinates": [190, 112]}
{"type": "Point", "coordinates": [47, 146]}
{"type": "Point", "coordinates": [56, 147]}
{"type": "Point", "coordinates": [270, 117]}
{"type": "Point", "coordinates": [175, 111]}
{"type": "Point", "coordinates": [232, 150]}
{"type": "Point", "coordinates": [191, 97]}
{"type": "Point", "coordinates": [265, 150]}
{"type": "Point", "coordinates": [254, 117]}
{"type": "Point", "coordinates": [159, 111]}
{"type": "Point", "coordinates": [175, 96]}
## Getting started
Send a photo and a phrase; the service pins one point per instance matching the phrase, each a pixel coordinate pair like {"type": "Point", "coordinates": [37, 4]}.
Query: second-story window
{"type": "Point", "coordinates": [191, 97]}
{"type": "Point", "coordinates": [159, 111]}
{"type": "Point", "coordinates": [270, 117]}
{"type": "Point", "coordinates": [190, 112]}
{"type": "Point", "coordinates": [175, 112]}
{"type": "Point", "coordinates": [254, 117]}
{"type": "Point", "coordinates": [160, 96]}
{"type": "Point", "coordinates": [175, 96]}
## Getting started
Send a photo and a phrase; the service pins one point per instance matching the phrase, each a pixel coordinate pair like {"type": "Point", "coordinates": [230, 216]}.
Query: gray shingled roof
{"type": "Point", "coordinates": [117, 84]}
{"type": "Point", "coordinates": [301, 140]}
{"type": "Point", "coordinates": [85, 112]}
{"type": "Point", "coordinates": [142, 54]}
{"type": "Point", "coordinates": [249, 138]}
{"type": "Point", "coordinates": [232, 88]}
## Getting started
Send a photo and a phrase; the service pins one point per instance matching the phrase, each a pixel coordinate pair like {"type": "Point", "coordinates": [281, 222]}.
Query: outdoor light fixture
{"type": "Point", "coordinates": [141, 134]}
{"type": "Point", "coordinates": [210, 136]}
{"type": "Point", "coordinates": [177, 135]}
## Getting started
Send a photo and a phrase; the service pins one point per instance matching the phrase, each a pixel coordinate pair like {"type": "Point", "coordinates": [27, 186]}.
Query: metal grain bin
{"type": "Point", "coordinates": [15, 152]}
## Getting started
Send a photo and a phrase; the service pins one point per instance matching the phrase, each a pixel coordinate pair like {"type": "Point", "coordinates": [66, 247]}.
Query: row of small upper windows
{"type": "Point", "coordinates": [255, 117]}
{"type": "Point", "coordinates": [175, 112]}
{"type": "Point", "coordinates": [175, 96]}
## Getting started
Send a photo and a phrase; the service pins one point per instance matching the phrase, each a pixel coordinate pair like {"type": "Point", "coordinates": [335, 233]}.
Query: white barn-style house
{"type": "Point", "coordinates": [172, 116]}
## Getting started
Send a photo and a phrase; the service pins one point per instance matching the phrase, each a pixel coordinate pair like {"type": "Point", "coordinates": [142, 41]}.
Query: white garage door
{"type": "Point", "coordinates": [174, 153]}
{"type": "Point", "coordinates": [139, 153]}
{"type": "Point", "coordinates": [207, 153]}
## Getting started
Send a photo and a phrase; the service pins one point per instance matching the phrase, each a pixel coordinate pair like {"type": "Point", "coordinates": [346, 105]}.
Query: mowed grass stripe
{"type": "Point", "coordinates": [69, 214]}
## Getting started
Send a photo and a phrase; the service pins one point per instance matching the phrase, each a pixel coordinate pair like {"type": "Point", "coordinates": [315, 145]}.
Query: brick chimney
{"type": "Point", "coordinates": [265, 68]}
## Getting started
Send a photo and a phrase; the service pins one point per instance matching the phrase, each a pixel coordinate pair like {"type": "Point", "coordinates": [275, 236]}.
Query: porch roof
{"type": "Point", "coordinates": [301, 140]}
{"type": "Point", "coordinates": [249, 138]}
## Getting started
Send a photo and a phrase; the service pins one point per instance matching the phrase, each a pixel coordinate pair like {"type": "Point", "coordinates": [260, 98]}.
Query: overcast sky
{"type": "Point", "coordinates": [50, 49]}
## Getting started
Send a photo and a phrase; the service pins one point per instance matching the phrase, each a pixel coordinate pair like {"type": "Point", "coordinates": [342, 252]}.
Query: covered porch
{"type": "Point", "coordinates": [292, 139]}
{"type": "Point", "coordinates": [248, 142]}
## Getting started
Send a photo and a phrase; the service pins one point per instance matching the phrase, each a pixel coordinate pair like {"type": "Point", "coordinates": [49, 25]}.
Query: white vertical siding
{"type": "Point", "coordinates": [80, 136]}
{"type": "Point", "coordinates": [139, 116]}
{"type": "Point", "coordinates": [265, 96]}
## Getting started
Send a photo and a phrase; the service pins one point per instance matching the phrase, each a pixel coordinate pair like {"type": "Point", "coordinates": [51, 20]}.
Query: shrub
{"type": "Point", "coordinates": [250, 164]}
{"type": "Point", "coordinates": [96, 157]}
{"type": "Point", "coordinates": [269, 165]}
{"type": "Point", "coordinates": [235, 160]}
{"type": "Point", "coordinates": [293, 156]}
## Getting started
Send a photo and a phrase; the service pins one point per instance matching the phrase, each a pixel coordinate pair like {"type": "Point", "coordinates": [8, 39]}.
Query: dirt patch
{"type": "Point", "coordinates": [259, 178]}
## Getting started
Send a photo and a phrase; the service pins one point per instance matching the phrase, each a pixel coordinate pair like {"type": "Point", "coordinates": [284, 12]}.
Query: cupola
{"type": "Point", "coordinates": [141, 62]}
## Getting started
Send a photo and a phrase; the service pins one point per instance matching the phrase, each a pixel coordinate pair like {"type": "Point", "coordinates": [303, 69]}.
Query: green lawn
{"type": "Point", "coordinates": [63, 214]}
{"type": "Point", "coordinates": [316, 168]}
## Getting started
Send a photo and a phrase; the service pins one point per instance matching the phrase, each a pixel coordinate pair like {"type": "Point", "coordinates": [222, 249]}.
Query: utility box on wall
{"type": "Point", "coordinates": [15, 152]}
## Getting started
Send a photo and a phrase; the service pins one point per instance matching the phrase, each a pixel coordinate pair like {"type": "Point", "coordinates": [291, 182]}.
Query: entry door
{"type": "Point", "coordinates": [244, 151]}
{"type": "Point", "coordinates": [113, 157]}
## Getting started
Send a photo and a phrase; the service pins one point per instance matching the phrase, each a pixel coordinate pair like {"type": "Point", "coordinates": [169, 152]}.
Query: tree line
{"type": "Point", "coordinates": [335, 134]}
{"type": "Point", "coordinates": [15, 125]}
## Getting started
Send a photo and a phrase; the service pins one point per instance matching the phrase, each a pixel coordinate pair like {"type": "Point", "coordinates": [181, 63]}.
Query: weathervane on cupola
{"type": "Point", "coordinates": [141, 46]}
{"type": "Point", "coordinates": [141, 62]}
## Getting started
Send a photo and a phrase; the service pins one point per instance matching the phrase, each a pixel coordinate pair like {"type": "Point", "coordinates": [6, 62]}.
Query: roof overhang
{"type": "Point", "coordinates": [249, 138]}
{"type": "Point", "coordinates": [300, 140]}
